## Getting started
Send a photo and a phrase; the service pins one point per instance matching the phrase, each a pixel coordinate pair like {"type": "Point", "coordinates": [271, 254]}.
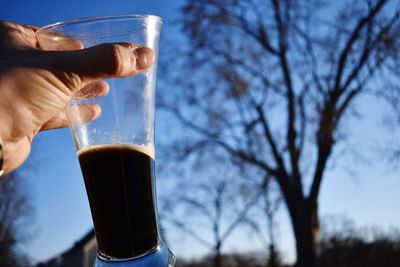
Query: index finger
{"type": "Point", "coordinates": [57, 41]}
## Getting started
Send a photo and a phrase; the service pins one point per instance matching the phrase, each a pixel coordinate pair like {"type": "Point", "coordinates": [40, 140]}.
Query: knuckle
{"type": "Point", "coordinates": [63, 120]}
{"type": "Point", "coordinates": [115, 57]}
{"type": "Point", "coordinates": [6, 24]}
{"type": "Point", "coordinates": [71, 80]}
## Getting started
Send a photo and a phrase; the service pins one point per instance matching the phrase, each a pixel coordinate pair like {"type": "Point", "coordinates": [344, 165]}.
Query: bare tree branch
{"type": "Point", "coordinates": [344, 55]}
{"type": "Point", "coordinates": [241, 216]}
{"type": "Point", "coordinates": [291, 129]}
{"type": "Point", "coordinates": [333, 114]}
{"type": "Point", "coordinates": [190, 231]}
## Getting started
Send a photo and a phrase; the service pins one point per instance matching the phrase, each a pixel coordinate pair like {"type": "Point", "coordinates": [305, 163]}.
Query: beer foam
{"type": "Point", "coordinates": [145, 149]}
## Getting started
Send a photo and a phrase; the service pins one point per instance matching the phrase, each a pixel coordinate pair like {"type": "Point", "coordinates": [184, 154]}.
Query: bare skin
{"type": "Point", "coordinates": [35, 85]}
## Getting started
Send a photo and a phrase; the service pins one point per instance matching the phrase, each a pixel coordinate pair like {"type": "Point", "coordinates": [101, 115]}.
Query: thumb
{"type": "Point", "coordinates": [78, 68]}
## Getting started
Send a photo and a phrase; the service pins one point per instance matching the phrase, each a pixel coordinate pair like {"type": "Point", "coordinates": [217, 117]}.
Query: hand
{"type": "Point", "coordinates": [35, 85]}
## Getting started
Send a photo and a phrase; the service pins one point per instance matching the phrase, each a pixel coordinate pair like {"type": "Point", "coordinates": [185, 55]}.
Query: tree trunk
{"type": "Point", "coordinates": [306, 231]}
{"type": "Point", "coordinates": [273, 260]}
{"type": "Point", "coordinates": [217, 256]}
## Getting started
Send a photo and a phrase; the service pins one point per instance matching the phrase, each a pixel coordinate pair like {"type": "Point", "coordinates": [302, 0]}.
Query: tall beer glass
{"type": "Point", "coordinates": [116, 150]}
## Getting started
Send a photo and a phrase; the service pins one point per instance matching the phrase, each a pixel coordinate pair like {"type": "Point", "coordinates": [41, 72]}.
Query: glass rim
{"type": "Point", "coordinates": [99, 19]}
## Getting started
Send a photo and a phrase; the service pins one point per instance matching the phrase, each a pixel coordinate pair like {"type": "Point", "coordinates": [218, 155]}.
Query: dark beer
{"type": "Point", "coordinates": [119, 185]}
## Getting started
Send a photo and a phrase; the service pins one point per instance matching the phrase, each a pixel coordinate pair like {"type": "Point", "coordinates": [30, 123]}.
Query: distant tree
{"type": "Point", "coordinates": [15, 220]}
{"type": "Point", "coordinates": [228, 260]}
{"type": "Point", "coordinates": [356, 252]}
{"type": "Point", "coordinates": [267, 208]}
{"type": "Point", "coordinates": [346, 245]}
{"type": "Point", "coordinates": [220, 201]}
{"type": "Point", "coordinates": [215, 205]}
{"type": "Point", "coordinates": [271, 84]}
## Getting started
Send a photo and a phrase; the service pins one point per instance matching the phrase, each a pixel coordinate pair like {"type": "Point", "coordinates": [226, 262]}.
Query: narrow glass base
{"type": "Point", "coordinates": [162, 257]}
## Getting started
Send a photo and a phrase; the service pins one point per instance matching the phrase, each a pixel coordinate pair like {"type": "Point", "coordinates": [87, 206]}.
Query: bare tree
{"type": "Point", "coordinates": [268, 206]}
{"type": "Point", "coordinates": [15, 220]}
{"type": "Point", "coordinates": [272, 82]}
{"type": "Point", "coordinates": [215, 205]}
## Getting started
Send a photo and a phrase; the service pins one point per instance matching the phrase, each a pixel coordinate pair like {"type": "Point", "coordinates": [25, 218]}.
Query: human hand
{"type": "Point", "coordinates": [36, 85]}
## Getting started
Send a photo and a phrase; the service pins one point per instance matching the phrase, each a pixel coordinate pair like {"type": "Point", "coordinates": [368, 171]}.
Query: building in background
{"type": "Point", "coordinates": [81, 254]}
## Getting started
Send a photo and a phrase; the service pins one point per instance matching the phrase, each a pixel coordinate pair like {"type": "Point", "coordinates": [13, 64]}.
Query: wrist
{"type": "Point", "coordinates": [1, 158]}
{"type": "Point", "coordinates": [7, 142]}
{"type": "Point", "coordinates": [3, 147]}
{"type": "Point", "coordinates": [6, 151]}
{"type": "Point", "coordinates": [14, 154]}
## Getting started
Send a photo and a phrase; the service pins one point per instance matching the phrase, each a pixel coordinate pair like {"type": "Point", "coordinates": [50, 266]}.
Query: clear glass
{"type": "Point", "coordinates": [116, 150]}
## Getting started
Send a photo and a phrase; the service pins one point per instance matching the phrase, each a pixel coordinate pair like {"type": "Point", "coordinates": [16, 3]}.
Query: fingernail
{"type": "Point", "coordinates": [144, 58]}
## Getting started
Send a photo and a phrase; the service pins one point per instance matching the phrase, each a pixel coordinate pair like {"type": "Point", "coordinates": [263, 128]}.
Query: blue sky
{"type": "Point", "coordinates": [365, 190]}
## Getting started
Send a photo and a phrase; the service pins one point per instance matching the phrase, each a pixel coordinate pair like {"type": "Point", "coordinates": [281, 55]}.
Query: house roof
{"type": "Point", "coordinates": [84, 240]}
{"type": "Point", "coordinates": [78, 245]}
